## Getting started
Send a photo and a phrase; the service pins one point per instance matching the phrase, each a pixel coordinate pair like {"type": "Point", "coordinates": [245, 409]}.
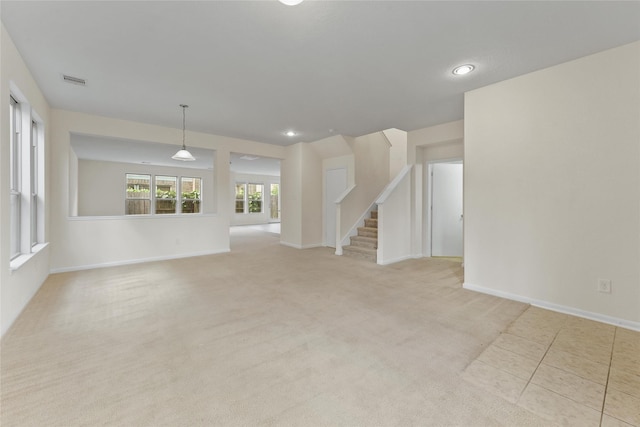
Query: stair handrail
{"type": "Point", "coordinates": [386, 192]}
{"type": "Point", "coordinates": [338, 203]}
{"type": "Point", "coordinates": [380, 199]}
{"type": "Point", "coordinates": [342, 239]}
{"type": "Point", "coordinates": [344, 194]}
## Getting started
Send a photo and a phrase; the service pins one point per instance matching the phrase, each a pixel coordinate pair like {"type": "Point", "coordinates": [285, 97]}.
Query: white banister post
{"type": "Point", "coordinates": [380, 250]}
{"type": "Point", "coordinates": [338, 227]}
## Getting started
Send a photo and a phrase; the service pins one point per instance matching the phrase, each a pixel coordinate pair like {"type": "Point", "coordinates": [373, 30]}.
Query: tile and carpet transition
{"type": "Point", "coordinates": [270, 335]}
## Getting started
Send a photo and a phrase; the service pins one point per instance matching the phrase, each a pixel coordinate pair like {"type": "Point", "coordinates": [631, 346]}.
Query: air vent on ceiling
{"type": "Point", "coordinates": [74, 80]}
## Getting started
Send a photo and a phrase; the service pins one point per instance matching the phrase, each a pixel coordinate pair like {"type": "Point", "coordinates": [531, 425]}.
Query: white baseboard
{"type": "Point", "coordinates": [134, 261]}
{"type": "Point", "coordinates": [394, 260]}
{"type": "Point", "coordinates": [623, 323]}
{"type": "Point", "coordinates": [296, 246]}
{"type": "Point", "coordinates": [291, 245]}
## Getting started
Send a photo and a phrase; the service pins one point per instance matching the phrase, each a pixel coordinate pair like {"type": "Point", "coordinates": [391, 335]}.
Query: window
{"type": "Point", "coordinates": [190, 189]}
{"type": "Point", "coordinates": [274, 205]}
{"type": "Point", "coordinates": [254, 194]}
{"type": "Point", "coordinates": [14, 179]}
{"type": "Point", "coordinates": [166, 194]}
{"type": "Point", "coordinates": [138, 197]}
{"type": "Point", "coordinates": [249, 197]}
{"type": "Point", "coordinates": [34, 182]}
{"type": "Point", "coordinates": [25, 176]}
{"type": "Point", "coordinates": [240, 193]}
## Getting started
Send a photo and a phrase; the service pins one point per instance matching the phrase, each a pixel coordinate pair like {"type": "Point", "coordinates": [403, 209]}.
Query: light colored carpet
{"type": "Point", "coordinates": [264, 335]}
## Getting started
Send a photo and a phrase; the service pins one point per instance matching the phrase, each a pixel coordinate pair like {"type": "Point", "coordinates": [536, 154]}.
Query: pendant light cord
{"type": "Point", "coordinates": [184, 107]}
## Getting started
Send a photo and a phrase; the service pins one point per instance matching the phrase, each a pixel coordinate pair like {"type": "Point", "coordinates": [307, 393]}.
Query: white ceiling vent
{"type": "Point", "coordinates": [74, 80]}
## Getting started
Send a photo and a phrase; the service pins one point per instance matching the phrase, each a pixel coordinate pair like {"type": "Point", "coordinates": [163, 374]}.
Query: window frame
{"type": "Point", "coordinates": [246, 198]}
{"type": "Point", "coordinates": [173, 199]}
{"type": "Point", "coordinates": [183, 199]}
{"type": "Point", "coordinates": [127, 198]}
{"type": "Point", "coordinates": [261, 198]}
{"type": "Point", "coordinates": [15, 169]}
{"type": "Point", "coordinates": [33, 165]}
{"type": "Point", "coordinates": [243, 186]}
{"type": "Point", "coordinates": [26, 180]}
{"type": "Point", "coordinates": [178, 199]}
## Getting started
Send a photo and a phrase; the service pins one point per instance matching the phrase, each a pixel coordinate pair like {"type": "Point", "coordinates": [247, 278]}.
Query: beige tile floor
{"type": "Point", "coordinates": [565, 369]}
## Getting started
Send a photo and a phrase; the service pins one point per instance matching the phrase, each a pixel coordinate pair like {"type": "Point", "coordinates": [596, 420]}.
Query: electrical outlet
{"type": "Point", "coordinates": [604, 286]}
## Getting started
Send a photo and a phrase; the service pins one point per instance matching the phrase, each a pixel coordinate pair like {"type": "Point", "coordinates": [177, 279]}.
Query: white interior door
{"type": "Point", "coordinates": [446, 209]}
{"type": "Point", "coordinates": [335, 184]}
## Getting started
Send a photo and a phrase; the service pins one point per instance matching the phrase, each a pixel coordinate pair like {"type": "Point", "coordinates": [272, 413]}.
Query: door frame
{"type": "Point", "coordinates": [428, 202]}
{"type": "Point", "coordinates": [271, 221]}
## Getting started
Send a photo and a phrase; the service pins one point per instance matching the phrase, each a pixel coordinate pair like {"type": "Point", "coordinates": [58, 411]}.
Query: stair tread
{"type": "Point", "coordinates": [360, 249]}
{"type": "Point", "coordinates": [364, 241]}
{"type": "Point", "coordinates": [365, 238]}
{"type": "Point", "coordinates": [361, 253]}
{"type": "Point", "coordinates": [368, 228]}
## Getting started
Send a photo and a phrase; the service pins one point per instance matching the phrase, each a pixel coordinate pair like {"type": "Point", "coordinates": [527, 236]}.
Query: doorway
{"type": "Point", "coordinates": [446, 222]}
{"type": "Point", "coordinates": [274, 203]}
{"type": "Point", "coordinates": [335, 185]}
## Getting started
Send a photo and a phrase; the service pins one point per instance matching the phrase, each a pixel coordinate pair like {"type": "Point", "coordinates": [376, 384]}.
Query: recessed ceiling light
{"type": "Point", "coordinates": [463, 69]}
{"type": "Point", "coordinates": [291, 2]}
{"type": "Point", "coordinates": [290, 133]}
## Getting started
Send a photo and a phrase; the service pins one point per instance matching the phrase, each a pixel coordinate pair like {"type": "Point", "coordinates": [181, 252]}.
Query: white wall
{"type": "Point", "coordinates": [301, 196]}
{"type": "Point", "coordinates": [451, 150]}
{"type": "Point", "coordinates": [311, 198]}
{"type": "Point", "coordinates": [253, 218]}
{"type": "Point", "coordinates": [291, 196]}
{"type": "Point", "coordinates": [343, 162]}
{"type": "Point", "coordinates": [552, 186]}
{"type": "Point", "coordinates": [84, 242]}
{"type": "Point", "coordinates": [438, 138]}
{"type": "Point", "coordinates": [17, 287]}
{"type": "Point", "coordinates": [398, 150]}
{"type": "Point", "coordinates": [302, 188]}
{"type": "Point", "coordinates": [73, 183]}
{"type": "Point", "coordinates": [371, 163]}
{"type": "Point", "coordinates": [101, 185]}
{"type": "Point", "coordinates": [394, 220]}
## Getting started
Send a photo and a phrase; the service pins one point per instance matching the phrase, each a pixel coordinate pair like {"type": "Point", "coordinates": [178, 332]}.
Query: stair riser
{"type": "Point", "coordinates": [373, 223]}
{"type": "Point", "coordinates": [367, 233]}
{"type": "Point", "coordinates": [374, 214]}
{"type": "Point", "coordinates": [364, 244]}
{"type": "Point", "coordinates": [360, 255]}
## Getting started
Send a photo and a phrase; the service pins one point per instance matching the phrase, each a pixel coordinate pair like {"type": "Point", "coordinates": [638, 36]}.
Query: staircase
{"type": "Point", "coordinates": [365, 244]}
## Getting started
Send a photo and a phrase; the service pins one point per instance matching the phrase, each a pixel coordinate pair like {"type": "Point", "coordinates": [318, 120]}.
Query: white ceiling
{"type": "Point", "coordinates": [121, 150]}
{"type": "Point", "coordinates": [92, 147]}
{"type": "Point", "coordinates": [254, 69]}
{"type": "Point", "coordinates": [248, 164]}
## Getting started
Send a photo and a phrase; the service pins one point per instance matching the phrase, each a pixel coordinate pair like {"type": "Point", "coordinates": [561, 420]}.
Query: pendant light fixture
{"type": "Point", "coordinates": [183, 154]}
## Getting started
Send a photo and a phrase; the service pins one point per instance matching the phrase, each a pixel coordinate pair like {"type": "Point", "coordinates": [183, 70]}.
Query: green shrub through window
{"type": "Point", "coordinates": [165, 198]}
{"type": "Point", "coordinates": [249, 197]}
